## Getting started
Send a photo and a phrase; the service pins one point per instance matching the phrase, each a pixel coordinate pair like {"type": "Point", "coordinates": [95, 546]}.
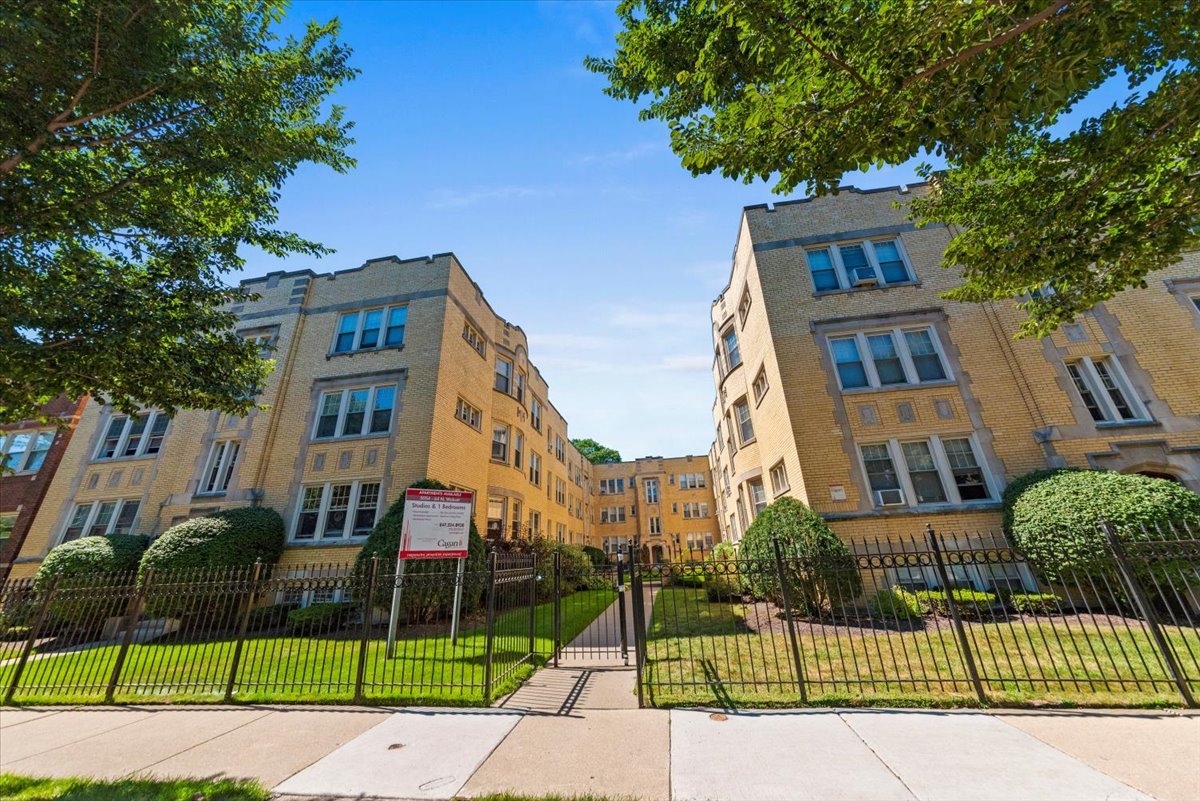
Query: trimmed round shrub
{"type": "Point", "coordinates": [818, 567]}
{"type": "Point", "coordinates": [599, 558]}
{"type": "Point", "coordinates": [724, 550]}
{"type": "Point", "coordinates": [232, 538]}
{"type": "Point", "coordinates": [1054, 515]}
{"type": "Point", "coordinates": [1035, 603]}
{"type": "Point", "coordinates": [897, 603]}
{"type": "Point", "coordinates": [429, 583]}
{"type": "Point", "coordinates": [90, 568]}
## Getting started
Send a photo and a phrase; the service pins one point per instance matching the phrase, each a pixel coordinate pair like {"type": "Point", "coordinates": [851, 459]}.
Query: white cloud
{"type": "Point", "coordinates": [611, 158]}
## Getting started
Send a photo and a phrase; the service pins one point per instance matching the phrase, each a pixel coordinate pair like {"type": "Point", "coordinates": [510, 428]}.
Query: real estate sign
{"type": "Point", "coordinates": [436, 524]}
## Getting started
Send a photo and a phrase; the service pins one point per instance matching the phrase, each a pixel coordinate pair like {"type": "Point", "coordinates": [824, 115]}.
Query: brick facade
{"type": "Point", "coordinates": [1007, 405]}
{"type": "Point", "coordinates": [442, 369]}
{"type": "Point", "coordinates": [22, 491]}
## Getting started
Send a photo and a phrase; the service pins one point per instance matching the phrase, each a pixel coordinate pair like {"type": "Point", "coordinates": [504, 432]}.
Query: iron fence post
{"type": "Point", "coordinates": [557, 606]}
{"type": "Point", "coordinates": [489, 629]}
{"type": "Point", "coordinates": [35, 629]}
{"type": "Point", "coordinates": [639, 633]}
{"type": "Point", "coordinates": [622, 623]}
{"type": "Point", "coordinates": [533, 591]}
{"type": "Point", "coordinates": [781, 574]}
{"type": "Point", "coordinates": [243, 627]}
{"type": "Point", "coordinates": [1146, 610]}
{"type": "Point", "coordinates": [133, 612]}
{"type": "Point", "coordinates": [368, 605]}
{"type": "Point", "coordinates": [960, 631]}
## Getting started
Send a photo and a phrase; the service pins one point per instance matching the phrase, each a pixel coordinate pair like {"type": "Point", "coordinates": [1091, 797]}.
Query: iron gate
{"type": "Point", "coordinates": [591, 613]}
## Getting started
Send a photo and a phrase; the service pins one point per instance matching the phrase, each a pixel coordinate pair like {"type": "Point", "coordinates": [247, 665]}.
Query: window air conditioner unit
{"type": "Point", "coordinates": [889, 497]}
{"type": "Point", "coordinates": [863, 276]}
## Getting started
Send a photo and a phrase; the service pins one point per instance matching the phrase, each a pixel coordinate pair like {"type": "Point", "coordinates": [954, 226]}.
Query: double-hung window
{"type": "Point", "coordinates": [474, 338]}
{"type": "Point", "coordinates": [218, 470]}
{"type": "Point", "coordinates": [858, 264]}
{"type": "Point", "coordinates": [336, 511]}
{"type": "Point", "coordinates": [1105, 391]}
{"type": "Point", "coordinates": [612, 514]}
{"type": "Point", "coordinates": [369, 329]}
{"type": "Point", "coordinates": [655, 525]}
{"type": "Point", "coordinates": [500, 443]}
{"type": "Point", "coordinates": [733, 352]}
{"type": "Point", "coordinates": [504, 371]}
{"type": "Point", "coordinates": [535, 414]}
{"type": "Point", "coordinates": [560, 449]}
{"type": "Point", "coordinates": [101, 518]}
{"type": "Point", "coordinates": [355, 412]}
{"type": "Point", "coordinates": [779, 479]}
{"type": "Point", "coordinates": [888, 357]}
{"type": "Point", "coordinates": [937, 470]}
{"type": "Point", "coordinates": [651, 485]}
{"type": "Point", "coordinates": [25, 451]}
{"type": "Point", "coordinates": [140, 435]}
{"type": "Point", "coordinates": [535, 467]}
{"type": "Point", "coordinates": [518, 448]}
{"type": "Point", "coordinates": [520, 387]}
{"type": "Point", "coordinates": [760, 384]}
{"type": "Point", "coordinates": [758, 496]}
{"type": "Point", "coordinates": [741, 410]}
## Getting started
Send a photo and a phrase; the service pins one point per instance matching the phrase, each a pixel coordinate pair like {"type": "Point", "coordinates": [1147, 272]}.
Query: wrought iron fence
{"type": "Point", "coordinates": [273, 633]}
{"type": "Point", "coordinates": [958, 619]}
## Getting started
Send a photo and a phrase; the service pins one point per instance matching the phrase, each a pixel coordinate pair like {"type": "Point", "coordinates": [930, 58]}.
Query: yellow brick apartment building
{"type": "Point", "coordinates": [392, 372]}
{"type": "Point", "coordinates": [844, 379]}
{"type": "Point", "coordinates": [664, 505]}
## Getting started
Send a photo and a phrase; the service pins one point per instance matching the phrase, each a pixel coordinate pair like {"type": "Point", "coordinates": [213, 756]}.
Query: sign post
{"type": "Point", "coordinates": [436, 525]}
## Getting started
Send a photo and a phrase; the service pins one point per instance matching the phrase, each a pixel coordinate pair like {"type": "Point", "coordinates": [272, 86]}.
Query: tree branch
{"type": "Point", "coordinates": [829, 56]}
{"type": "Point", "coordinates": [102, 141]}
{"type": "Point", "coordinates": [54, 127]}
{"type": "Point", "coordinates": [1008, 35]}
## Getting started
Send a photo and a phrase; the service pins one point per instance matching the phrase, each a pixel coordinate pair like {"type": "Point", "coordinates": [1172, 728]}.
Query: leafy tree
{"type": "Point", "coordinates": [596, 453]}
{"type": "Point", "coordinates": [807, 90]}
{"type": "Point", "coordinates": [142, 145]}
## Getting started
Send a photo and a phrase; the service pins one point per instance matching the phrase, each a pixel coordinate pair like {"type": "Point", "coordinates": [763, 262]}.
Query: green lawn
{"type": "Point", "coordinates": [704, 653]}
{"type": "Point", "coordinates": [425, 670]}
{"type": "Point", "coordinates": [26, 788]}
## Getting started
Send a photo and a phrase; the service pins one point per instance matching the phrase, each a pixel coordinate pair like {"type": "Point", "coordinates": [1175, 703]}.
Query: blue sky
{"type": "Point", "coordinates": [479, 132]}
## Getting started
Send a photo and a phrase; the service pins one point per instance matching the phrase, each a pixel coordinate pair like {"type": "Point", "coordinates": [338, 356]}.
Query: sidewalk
{"type": "Point", "coordinates": [595, 745]}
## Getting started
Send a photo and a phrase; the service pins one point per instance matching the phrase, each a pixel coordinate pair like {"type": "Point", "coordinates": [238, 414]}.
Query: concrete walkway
{"type": "Point", "coordinates": [682, 755]}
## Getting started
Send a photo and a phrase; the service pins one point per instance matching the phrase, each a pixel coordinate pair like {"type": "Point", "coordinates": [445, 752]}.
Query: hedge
{"type": "Point", "coordinates": [820, 570]}
{"type": "Point", "coordinates": [971, 604]}
{"type": "Point", "coordinates": [80, 563]}
{"type": "Point", "coordinates": [599, 558]}
{"type": "Point", "coordinates": [426, 597]}
{"type": "Point", "coordinates": [1054, 515]}
{"type": "Point", "coordinates": [897, 603]}
{"type": "Point", "coordinates": [232, 538]}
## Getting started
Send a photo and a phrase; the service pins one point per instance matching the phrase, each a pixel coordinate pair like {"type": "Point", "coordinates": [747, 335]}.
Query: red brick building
{"type": "Point", "coordinates": [32, 453]}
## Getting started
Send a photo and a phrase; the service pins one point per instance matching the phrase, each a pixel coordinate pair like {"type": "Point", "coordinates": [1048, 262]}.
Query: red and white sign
{"type": "Point", "coordinates": [436, 524]}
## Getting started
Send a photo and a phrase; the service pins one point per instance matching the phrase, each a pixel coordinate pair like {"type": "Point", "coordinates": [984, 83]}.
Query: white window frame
{"type": "Point", "coordinates": [868, 246]}
{"type": "Point", "coordinates": [535, 413]}
{"type": "Point", "coordinates": [475, 339]}
{"type": "Point", "coordinates": [941, 462]}
{"type": "Point", "coordinates": [560, 491]}
{"type": "Point", "coordinates": [360, 321]}
{"type": "Point", "coordinates": [508, 376]}
{"type": "Point", "coordinates": [152, 418]}
{"type": "Point", "coordinates": [612, 514]}
{"type": "Point", "coordinates": [779, 478]}
{"type": "Point", "coordinates": [344, 402]}
{"type": "Point", "coordinates": [651, 487]}
{"type": "Point", "coordinates": [902, 350]}
{"type": "Point", "coordinates": [34, 437]}
{"type": "Point", "coordinates": [757, 504]}
{"type": "Point", "coordinates": [469, 414]}
{"type": "Point", "coordinates": [1091, 377]}
{"type": "Point", "coordinates": [655, 525]}
{"type": "Point", "coordinates": [497, 428]}
{"type": "Point", "coordinates": [744, 304]}
{"type": "Point", "coordinates": [726, 353]}
{"type": "Point", "coordinates": [218, 467]}
{"type": "Point", "coordinates": [760, 378]}
{"type": "Point", "coordinates": [535, 467]}
{"type": "Point", "coordinates": [93, 510]}
{"type": "Point", "coordinates": [743, 440]}
{"type": "Point", "coordinates": [323, 511]}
